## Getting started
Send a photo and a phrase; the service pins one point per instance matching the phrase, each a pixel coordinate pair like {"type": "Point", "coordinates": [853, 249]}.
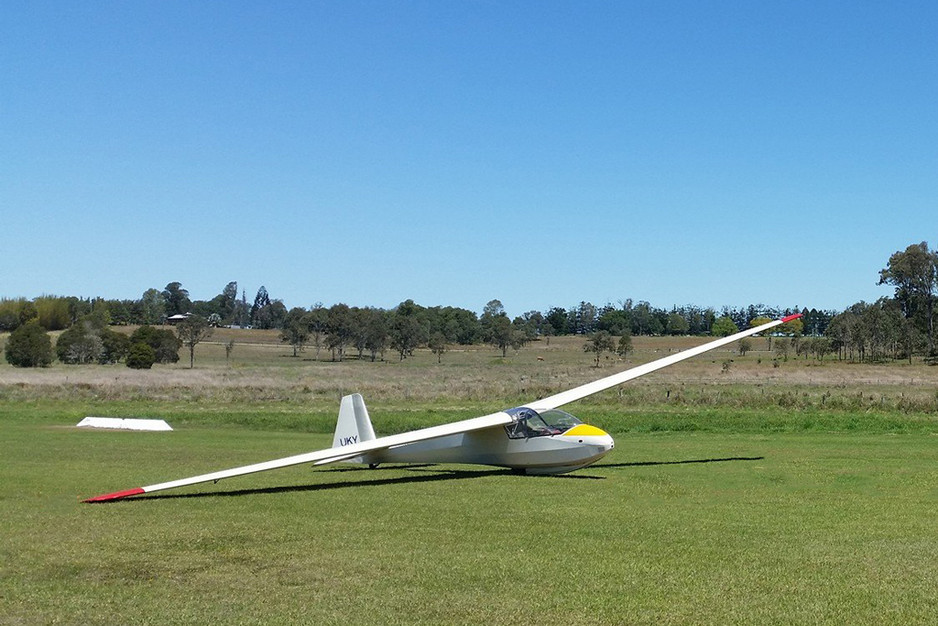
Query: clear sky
{"type": "Point", "coordinates": [538, 152]}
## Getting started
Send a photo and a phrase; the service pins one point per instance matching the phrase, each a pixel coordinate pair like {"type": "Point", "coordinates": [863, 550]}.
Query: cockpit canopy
{"type": "Point", "coordinates": [529, 423]}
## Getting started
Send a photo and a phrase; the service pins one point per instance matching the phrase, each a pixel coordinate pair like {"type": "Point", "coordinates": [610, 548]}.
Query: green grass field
{"type": "Point", "coordinates": [781, 495]}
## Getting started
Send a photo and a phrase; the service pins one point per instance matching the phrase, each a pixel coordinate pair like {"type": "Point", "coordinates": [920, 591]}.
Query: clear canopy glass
{"type": "Point", "coordinates": [529, 423]}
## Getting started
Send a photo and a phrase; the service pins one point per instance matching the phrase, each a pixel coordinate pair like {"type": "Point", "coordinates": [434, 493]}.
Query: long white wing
{"type": "Point", "coordinates": [321, 457]}
{"type": "Point", "coordinates": [578, 393]}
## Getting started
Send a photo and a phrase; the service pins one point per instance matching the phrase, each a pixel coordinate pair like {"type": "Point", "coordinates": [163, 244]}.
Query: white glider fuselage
{"type": "Point", "coordinates": [554, 453]}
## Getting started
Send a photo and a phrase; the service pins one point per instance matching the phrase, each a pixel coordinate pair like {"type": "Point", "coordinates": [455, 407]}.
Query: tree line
{"type": "Point", "coordinates": [891, 328]}
{"type": "Point", "coordinates": [155, 306]}
{"type": "Point", "coordinates": [459, 325]}
{"type": "Point", "coordinates": [91, 340]}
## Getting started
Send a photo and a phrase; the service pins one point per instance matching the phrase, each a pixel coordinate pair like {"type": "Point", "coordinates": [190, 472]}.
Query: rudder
{"type": "Point", "coordinates": [354, 424]}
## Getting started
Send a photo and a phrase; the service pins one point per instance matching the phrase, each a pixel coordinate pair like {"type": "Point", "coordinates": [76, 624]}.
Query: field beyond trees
{"type": "Point", "coordinates": [743, 489]}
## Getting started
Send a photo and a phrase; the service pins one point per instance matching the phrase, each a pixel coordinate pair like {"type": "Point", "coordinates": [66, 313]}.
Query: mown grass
{"type": "Point", "coordinates": [675, 527]}
{"type": "Point", "coordinates": [742, 493]}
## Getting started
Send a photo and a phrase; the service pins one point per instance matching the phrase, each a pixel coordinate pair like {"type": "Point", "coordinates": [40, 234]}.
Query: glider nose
{"type": "Point", "coordinates": [584, 433]}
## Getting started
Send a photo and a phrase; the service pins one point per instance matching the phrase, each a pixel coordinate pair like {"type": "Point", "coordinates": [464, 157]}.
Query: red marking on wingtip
{"type": "Point", "coordinates": [117, 495]}
{"type": "Point", "coordinates": [791, 317]}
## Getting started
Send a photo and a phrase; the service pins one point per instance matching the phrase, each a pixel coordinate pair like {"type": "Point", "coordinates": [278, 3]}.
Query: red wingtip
{"type": "Point", "coordinates": [791, 317]}
{"type": "Point", "coordinates": [116, 495]}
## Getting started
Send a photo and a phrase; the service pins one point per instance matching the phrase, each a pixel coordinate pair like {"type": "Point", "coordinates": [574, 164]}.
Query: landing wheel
{"type": "Point", "coordinates": [373, 465]}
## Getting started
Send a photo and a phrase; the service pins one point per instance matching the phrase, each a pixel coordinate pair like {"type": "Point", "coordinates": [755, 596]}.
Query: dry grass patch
{"type": "Point", "coordinates": [261, 369]}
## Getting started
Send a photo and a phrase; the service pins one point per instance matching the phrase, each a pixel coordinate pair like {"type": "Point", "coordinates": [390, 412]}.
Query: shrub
{"type": "Point", "coordinates": [89, 340]}
{"type": "Point", "coordinates": [78, 345]}
{"type": "Point", "coordinates": [29, 346]}
{"type": "Point", "coordinates": [116, 346]}
{"type": "Point", "coordinates": [165, 343]}
{"type": "Point", "coordinates": [141, 356]}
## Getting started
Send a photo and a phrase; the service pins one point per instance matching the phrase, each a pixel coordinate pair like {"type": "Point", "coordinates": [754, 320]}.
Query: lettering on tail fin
{"type": "Point", "coordinates": [354, 424]}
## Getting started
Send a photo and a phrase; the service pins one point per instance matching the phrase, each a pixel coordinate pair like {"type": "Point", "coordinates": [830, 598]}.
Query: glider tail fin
{"type": "Point", "coordinates": [354, 425]}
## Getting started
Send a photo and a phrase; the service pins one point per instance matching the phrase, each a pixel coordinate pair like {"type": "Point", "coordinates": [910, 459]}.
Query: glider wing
{"type": "Point", "coordinates": [323, 457]}
{"type": "Point", "coordinates": [578, 393]}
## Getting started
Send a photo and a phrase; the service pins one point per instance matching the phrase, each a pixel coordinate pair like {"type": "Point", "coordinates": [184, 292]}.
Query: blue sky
{"type": "Point", "coordinates": [541, 153]}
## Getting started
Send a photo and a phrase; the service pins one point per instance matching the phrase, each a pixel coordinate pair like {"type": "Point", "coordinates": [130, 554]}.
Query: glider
{"type": "Point", "coordinates": [537, 438]}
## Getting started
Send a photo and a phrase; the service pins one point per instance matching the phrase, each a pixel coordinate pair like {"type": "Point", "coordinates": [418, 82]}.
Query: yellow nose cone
{"type": "Point", "coordinates": [585, 430]}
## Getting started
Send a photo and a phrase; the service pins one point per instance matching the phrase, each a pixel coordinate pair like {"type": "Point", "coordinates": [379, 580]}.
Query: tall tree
{"type": "Point", "coordinates": [339, 329]}
{"type": "Point", "coordinates": [914, 274]}
{"type": "Point", "coordinates": [724, 327]}
{"type": "Point", "coordinates": [498, 333]}
{"type": "Point", "coordinates": [530, 323]}
{"type": "Point", "coordinates": [599, 342]}
{"type": "Point", "coordinates": [625, 345]}
{"type": "Point", "coordinates": [192, 331]}
{"type": "Point", "coordinates": [272, 315]}
{"type": "Point", "coordinates": [557, 319]}
{"type": "Point", "coordinates": [261, 301]}
{"type": "Point", "coordinates": [176, 299]}
{"type": "Point", "coordinates": [244, 313]}
{"type": "Point", "coordinates": [457, 325]}
{"type": "Point", "coordinates": [496, 327]}
{"type": "Point", "coordinates": [585, 318]}
{"type": "Point", "coordinates": [407, 333]}
{"type": "Point", "coordinates": [644, 320]}
{"type": "Point", "coordinates": [677, 325]}
{"type": "Point", "coordinates": [152, 307]}
{"type": "Point", "coordinates": [53, 311]}
{"type": "Point", "coordinates": [437, 345]}
{"type": "Point", "coordinates": [317, 320]}
{"type": "Point", "coordinates": [493, 308]}
{"type": "Point", "coordinates": [768, 334]}
{"type": "Point", "coordinates": [295, 329]}
{"type": "Point", "coordinates": [615, 321]}
{"type": "Point", "coordinates": [10, 313]}
{"type": "Point", "coordinates": [374, 331]}
{"type": "Point", "coordinates": [229, 303]}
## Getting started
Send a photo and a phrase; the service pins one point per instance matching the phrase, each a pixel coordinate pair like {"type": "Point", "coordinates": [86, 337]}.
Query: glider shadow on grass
{"type": "Point", "coordinates": [686, 462]}
{"type": "Point", "coordinates": [423, 473]}
{"type": "Point", "coordinates": [437, 475]}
